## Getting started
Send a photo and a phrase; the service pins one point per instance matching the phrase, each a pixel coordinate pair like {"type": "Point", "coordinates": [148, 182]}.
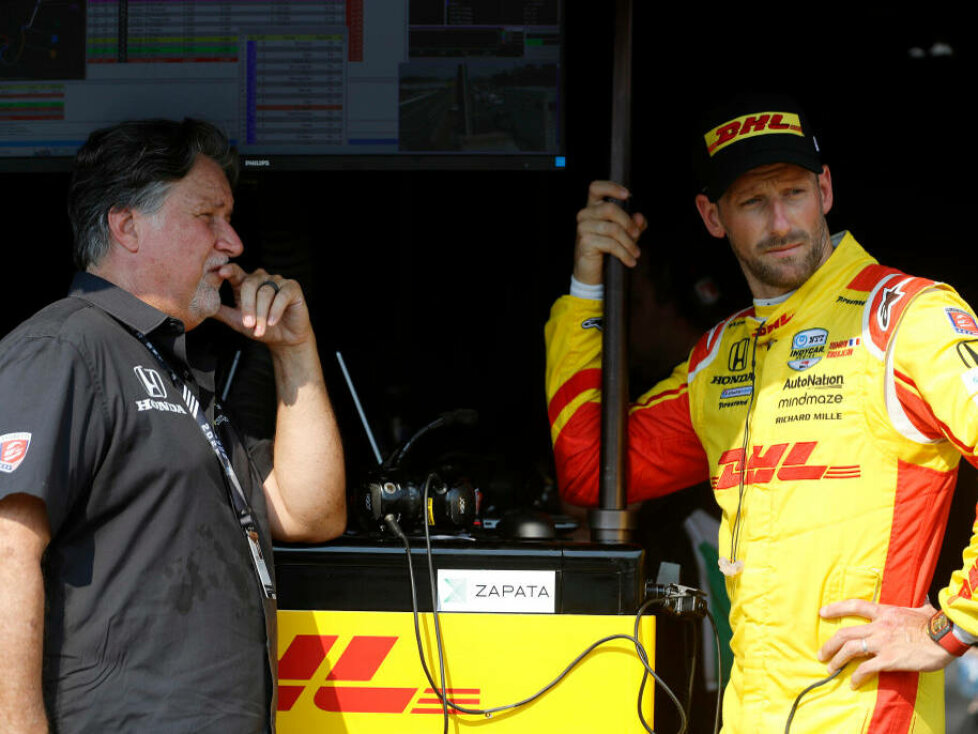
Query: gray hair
{"type": "Point", "coordinates": [132, 166]}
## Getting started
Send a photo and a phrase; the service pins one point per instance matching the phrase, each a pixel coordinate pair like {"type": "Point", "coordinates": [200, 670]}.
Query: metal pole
{"type": "Point", "coordinates": [609, 523]}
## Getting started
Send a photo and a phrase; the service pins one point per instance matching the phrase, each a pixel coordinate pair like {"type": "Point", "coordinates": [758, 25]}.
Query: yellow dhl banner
{"type": "Point", "coordinates": [359, 672]}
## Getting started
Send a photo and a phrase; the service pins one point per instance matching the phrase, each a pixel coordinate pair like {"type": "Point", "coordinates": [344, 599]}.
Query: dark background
{"type": "Point", "coordinates": [436, 284]}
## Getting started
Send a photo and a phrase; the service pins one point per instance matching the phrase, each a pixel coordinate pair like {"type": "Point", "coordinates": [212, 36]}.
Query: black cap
{"type": "Point", "coordinates": [749, 132]}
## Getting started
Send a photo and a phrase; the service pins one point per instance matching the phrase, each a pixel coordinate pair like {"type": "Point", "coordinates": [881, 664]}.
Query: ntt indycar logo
{"type": "Point", "coordinates": [807, 348]}
{"type": "Point", "coordinates": [809, 340]}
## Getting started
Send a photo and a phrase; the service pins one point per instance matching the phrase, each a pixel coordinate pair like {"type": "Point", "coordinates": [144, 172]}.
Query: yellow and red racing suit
{"type": "Point", "coordinates": [830, 426]}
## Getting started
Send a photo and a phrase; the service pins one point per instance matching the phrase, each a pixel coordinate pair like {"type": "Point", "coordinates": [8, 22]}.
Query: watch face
{"type": "Point", "coordinates": [938, 626]}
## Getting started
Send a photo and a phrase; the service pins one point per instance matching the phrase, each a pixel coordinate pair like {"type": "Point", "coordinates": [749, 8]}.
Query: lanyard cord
{"type": "Point", "coordinates": [742, 489]}
{"type": "Point", "coordinates": [236, 496]}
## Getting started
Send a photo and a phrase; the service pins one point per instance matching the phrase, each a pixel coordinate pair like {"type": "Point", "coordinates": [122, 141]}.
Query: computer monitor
{"type": "Point", "coordinates": [297, 84]}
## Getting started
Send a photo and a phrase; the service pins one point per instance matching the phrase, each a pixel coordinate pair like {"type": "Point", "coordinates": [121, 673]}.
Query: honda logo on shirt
{"type": "Point", "coordinates": [151, 381]}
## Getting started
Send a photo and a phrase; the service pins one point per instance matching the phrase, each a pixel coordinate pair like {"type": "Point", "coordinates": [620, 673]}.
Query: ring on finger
{"type": "Point", "coordinates": [271, 283]}
{"type": "Point", "coordinates": [865, 647]}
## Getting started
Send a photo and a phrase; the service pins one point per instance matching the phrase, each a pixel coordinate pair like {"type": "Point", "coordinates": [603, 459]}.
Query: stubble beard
{"type": "Point", "coordinates": [206, 301]}
{"type": "Point", "coordinates": [788, 276]}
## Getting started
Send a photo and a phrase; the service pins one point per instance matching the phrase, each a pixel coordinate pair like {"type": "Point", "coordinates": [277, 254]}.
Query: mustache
{"type": "Point", "coordinates": [793, 237]}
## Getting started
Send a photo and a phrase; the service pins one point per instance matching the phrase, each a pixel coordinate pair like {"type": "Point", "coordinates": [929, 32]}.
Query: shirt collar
{"type": "Point", "coordinates": [166, 332]}
{"type": "Point", "coordinates": [121, 304]}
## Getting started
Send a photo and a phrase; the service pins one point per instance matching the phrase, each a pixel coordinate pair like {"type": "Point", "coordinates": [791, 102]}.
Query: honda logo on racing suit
{"type": "Point", "coordinates": [737, 360]}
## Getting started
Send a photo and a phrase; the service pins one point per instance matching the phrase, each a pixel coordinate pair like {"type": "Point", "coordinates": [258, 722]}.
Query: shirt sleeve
{"type": "Point", "coordinates": [936, 381]}
{"type": "Point", "coordinates": [52, 423]}
{"type": "Point", "coordinates": [664, 453]}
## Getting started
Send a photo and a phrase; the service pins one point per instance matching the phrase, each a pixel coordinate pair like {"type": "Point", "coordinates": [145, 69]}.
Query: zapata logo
{"type": "Point", "coordinates": [457, 591]}
{"type": "Point", "coordinates": [13, 450]}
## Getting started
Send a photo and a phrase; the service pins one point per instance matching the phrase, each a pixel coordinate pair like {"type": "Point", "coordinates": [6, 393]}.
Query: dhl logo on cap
{"type": "Point", "coordinates": [749, 126]}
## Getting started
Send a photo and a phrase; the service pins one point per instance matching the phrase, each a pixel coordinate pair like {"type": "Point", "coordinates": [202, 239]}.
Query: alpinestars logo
{"type": "Point", "coordinates": [890, 298]}
{"type": "Point", "coordinates": [359, 662]}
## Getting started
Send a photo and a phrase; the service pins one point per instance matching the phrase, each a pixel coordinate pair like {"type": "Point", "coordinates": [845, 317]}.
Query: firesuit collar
{"type": "Point", "coordinates": [761, 302]}
{"type": "Point", "coordinates": [749, 132]}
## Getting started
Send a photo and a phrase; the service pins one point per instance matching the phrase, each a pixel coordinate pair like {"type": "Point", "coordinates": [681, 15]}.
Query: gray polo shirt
{"type": "Point", "coordinates": [154, 620]}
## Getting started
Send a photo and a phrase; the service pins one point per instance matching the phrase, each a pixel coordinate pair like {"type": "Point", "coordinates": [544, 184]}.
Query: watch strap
{"type": "Point", "coordinates": [941, 630]}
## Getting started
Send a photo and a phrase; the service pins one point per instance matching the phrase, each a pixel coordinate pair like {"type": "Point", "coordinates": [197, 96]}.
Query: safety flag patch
{"type": "Point", "coordinates": [13, 450]}
{"type": "Point", "coordinates": [962, 321]}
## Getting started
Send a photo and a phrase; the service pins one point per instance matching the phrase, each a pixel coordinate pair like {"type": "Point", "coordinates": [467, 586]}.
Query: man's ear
{"type": "Point", "coordinates": [122, 226]}
{"type": "Point", "coordinates": [825, 187]}
{"type": "Point", "coordinates": [710, 214]}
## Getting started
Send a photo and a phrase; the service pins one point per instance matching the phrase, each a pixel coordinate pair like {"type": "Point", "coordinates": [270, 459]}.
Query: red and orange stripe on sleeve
{"type": "Point", "coordinates": [664, 452]}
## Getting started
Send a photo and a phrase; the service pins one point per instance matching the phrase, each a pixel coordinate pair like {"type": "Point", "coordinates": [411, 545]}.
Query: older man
{"type": "Point", "coordinates": [830, 417]}
{"type": "Point", "coordinates": [135, 521]}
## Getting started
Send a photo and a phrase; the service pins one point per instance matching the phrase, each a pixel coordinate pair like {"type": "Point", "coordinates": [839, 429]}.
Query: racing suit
{"type": "Point", "coordinates": [830, 426]}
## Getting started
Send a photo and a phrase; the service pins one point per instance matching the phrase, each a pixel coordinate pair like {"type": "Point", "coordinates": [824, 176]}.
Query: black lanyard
{"type": "Point", "coordinates": [236, 496]}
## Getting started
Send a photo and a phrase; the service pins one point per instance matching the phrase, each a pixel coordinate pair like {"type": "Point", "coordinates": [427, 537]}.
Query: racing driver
{"type": "Point", "coordinates": [829, 417]}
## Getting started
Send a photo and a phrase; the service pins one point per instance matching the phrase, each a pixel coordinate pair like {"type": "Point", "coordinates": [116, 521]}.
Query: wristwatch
{"type": "Point", "coordinates": [941, 630]}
